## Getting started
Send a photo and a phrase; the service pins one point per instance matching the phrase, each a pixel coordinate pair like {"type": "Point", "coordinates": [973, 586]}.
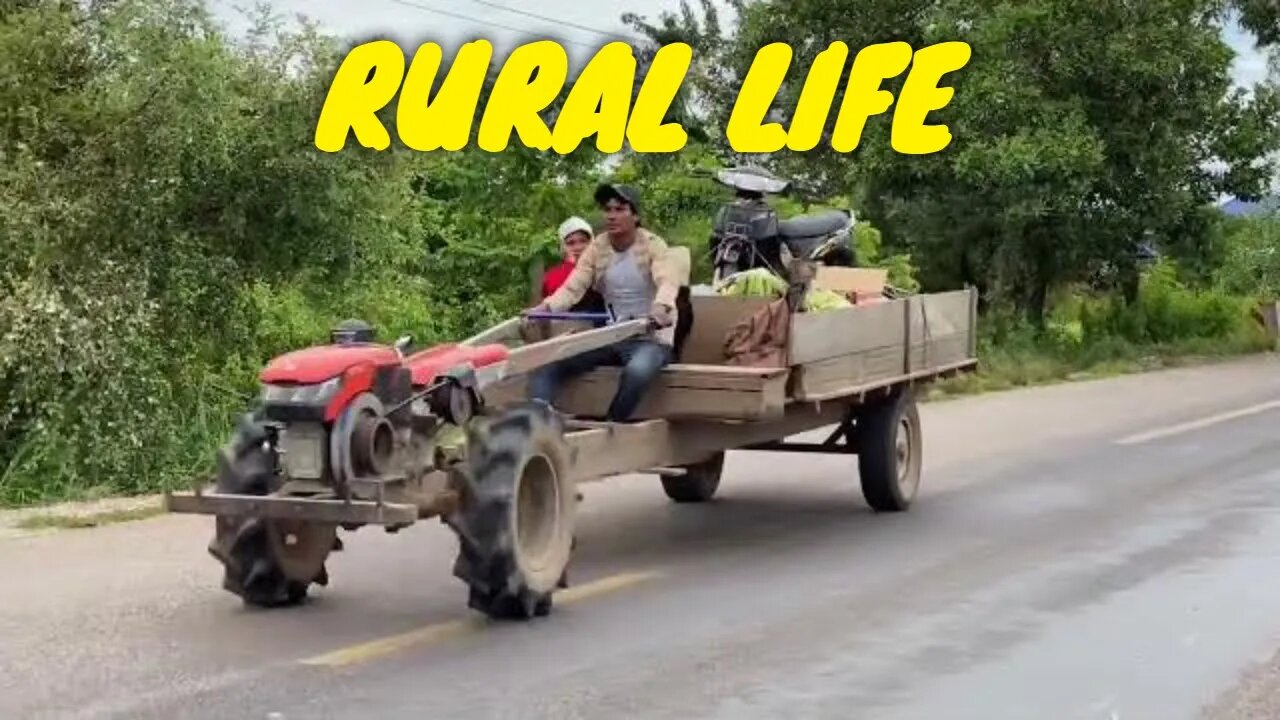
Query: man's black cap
{"type": "Point", "coordinates": [627, 194]}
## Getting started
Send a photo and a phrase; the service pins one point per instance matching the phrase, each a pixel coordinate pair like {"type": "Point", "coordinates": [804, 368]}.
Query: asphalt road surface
{"type": "Point", "coordinates": [1098, 550]}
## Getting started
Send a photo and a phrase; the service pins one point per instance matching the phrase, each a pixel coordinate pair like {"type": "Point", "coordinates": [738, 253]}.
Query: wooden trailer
{"type": "Point", "coordinates": [862, 362]}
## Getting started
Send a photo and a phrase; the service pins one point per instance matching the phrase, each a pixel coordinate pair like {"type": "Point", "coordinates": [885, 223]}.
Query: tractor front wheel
{"type": "Point", "coordinates": [268, 563]}
{"type": "Point", "coordinates": [516, 519]}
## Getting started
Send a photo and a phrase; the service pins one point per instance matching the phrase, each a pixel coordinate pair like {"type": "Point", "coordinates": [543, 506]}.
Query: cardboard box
{"type": "Point", "coordinates": [860, 285]}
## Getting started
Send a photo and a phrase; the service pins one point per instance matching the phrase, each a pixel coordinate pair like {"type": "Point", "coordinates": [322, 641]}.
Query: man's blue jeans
{"type": "Point", "coordinates": [641, 359]}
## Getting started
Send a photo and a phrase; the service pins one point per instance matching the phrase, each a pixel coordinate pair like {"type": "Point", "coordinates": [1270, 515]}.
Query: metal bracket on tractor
{"type": "Point", "coordinates": [362, 512]}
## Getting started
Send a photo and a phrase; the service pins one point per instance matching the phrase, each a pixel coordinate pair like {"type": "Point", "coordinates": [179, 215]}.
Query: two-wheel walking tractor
{"type": "Point", "coordinates": [355, 433]}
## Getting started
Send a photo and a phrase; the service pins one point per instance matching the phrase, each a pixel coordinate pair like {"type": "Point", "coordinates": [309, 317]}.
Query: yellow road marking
{"type": "Point", "coordinates": [1197, 424]}
{"type": "Point", "coordinates": [365, 652]}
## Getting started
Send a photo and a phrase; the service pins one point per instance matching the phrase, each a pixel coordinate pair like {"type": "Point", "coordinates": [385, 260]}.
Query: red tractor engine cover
{"type": "Point", "coordinates": [365, 367]}
{"type": "Point", "coordinates": [321, 363]}
{"type": "Point", "coordinates": [318, 364]}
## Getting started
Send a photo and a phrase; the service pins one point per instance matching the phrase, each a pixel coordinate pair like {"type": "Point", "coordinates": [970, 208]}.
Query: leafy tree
{"type": "Point", "coordinates": [1252, 263]}
{"type": "Point", "coordinates": [1078, 129]}
{"type": "Point", "coordinates": [1262, 18]}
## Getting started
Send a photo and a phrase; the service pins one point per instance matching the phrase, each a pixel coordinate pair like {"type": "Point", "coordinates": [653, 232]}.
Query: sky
{"type": "Point", "coordinates": [580, 25]}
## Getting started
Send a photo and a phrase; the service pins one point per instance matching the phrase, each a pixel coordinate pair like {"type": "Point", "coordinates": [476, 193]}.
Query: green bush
{"type": "Point", "coordinates": [1166, 312]}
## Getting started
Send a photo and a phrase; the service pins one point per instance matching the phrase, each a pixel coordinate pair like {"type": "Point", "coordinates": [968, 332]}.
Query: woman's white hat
{"type": "Point", "coordinates": [573, 225]}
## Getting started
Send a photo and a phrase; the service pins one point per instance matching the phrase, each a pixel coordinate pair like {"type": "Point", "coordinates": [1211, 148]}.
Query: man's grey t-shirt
{"type": "Point", "coordinates": [626, 289]}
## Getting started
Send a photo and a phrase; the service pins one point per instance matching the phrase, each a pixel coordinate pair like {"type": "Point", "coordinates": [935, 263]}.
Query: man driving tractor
{"type": "Point", "coordinates": [639, 276]}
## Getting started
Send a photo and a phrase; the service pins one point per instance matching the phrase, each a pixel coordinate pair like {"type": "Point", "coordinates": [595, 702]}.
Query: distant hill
{"type": "Point", "coordinates": [1241, 208]}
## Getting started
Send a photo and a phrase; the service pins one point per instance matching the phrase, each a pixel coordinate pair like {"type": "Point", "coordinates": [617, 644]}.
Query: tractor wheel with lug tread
{"type": "Point", "coordinates": [890, 452]}
{"type": "Point", "coordinates": [698, 484]}
{"type": "Point", "coordinates": [268, 563]}
{"type": "Point", "coordinates": [516, 519]}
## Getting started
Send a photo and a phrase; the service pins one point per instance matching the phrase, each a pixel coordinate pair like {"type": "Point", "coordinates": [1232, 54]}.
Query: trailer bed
{"type": "Point", "coordinates": [834, 354]}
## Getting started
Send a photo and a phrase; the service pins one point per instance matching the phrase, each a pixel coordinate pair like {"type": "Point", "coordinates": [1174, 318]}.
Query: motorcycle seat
{"type": "Point", "coordinates": [815, 225]}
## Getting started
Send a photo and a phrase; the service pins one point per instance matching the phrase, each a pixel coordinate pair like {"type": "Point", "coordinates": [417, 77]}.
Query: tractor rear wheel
{"type": "Point", "coordinates": [516, 519]}
{"type": "Point", "coordinates": [890, 452]}
{"type": "Point", "coordinates": [268, 563]}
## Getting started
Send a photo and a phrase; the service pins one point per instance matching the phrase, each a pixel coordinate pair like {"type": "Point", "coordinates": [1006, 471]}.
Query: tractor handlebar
{"type": "Point", "coordinates": [550, 315]}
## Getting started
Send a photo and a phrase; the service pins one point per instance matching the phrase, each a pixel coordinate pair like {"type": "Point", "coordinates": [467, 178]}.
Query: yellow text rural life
{"type": "Point", "coordinates": [600, 101]}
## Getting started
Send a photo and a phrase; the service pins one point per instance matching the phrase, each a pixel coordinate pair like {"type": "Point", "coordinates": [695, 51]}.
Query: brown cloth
{"type": "Point", "coordinates": [760, 339]}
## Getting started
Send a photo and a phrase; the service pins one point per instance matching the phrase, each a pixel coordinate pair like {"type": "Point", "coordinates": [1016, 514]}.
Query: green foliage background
{"type": "Point", "coordinates": [167, 227]}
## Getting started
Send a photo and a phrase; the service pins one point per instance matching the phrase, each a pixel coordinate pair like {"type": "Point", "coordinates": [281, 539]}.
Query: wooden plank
{"type": "Point", "coordinates": [681, 392]}
{"type": "Point", "coordinates": [619, 448]}
{"type": "Point", "coordinates": [937, 321]}
{"type": "Point", "coordinates": [973, 322]}
{"type": "Point", "coordinates": [907, 308]}
{"type": "Point", "coordinates": [941, 313]}
{"type": "Point", "coordinates": [592, 399]}
{"type": "Point", "coordinates": [709, 377]}
{"type": "Point", "coordinates": [940, 351]}
{"type": "Point", "coordinates": [821, 378]}
{"type": "Point", "coordinates": [832, 333]}
{"type": "Point", "coordinates": [720, 377]}
{"type": "Point", "coordinates": [856, 389]}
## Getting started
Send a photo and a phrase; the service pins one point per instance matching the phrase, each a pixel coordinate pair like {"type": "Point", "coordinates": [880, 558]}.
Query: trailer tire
{"type": "Point", "coordinates": [698, 484]}
{"type": "Point", "coordinates": [890, 452]}
{"type": "Point", "coordinates": [260, 563]}
{"type": "Point", "coordinates": [515, 522]}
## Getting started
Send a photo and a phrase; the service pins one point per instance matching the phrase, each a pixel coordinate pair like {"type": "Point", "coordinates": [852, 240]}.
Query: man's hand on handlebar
{"type": "Point", "coordinates": [661, 316]}
{"type": "Point", "coordinates": [530, 322]}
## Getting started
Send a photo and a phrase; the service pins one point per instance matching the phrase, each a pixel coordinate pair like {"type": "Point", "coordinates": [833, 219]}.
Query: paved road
{"type": "Point", "coordinates": [1096, 550]}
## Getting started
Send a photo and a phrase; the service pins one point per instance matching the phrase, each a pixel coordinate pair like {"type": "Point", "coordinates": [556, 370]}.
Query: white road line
{"type": "Point", "coordinates": [1169, 430]}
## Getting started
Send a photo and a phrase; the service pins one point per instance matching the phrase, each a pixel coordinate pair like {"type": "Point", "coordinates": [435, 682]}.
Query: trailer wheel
{"type": "Point", "coordinates": [890, 452]}
{"type": "Point", "coordinates": [698, 484]}
{"type": "Point", "coordinates": [268, 563]}
{"type": "Point", "coordinates": [515, 523]}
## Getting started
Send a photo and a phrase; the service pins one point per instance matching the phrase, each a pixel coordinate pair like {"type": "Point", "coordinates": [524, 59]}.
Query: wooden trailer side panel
{"type": "Point", "coordinates": [682, 391]}
{"type": "Point", "coordinates": [941, 330]}
{"type": "Point", "coordinates": [850, 350]}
